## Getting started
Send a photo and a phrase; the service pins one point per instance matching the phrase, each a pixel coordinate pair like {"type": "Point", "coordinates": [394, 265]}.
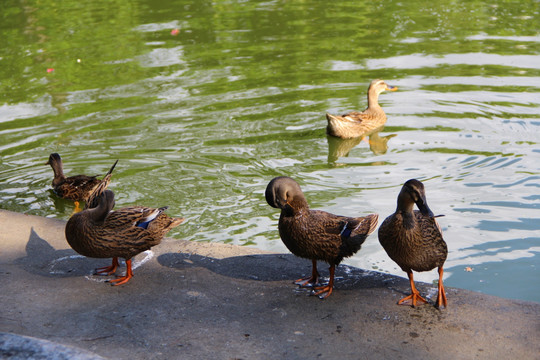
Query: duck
{"type": "Point", "coordinates": [77, 188]}
{"type": "Point", "coordinates": [102, 232]}
{"type": "Point", "coordinates": [413, 239]}
{"type": "Point", "coordinates": [316, 234]}
{"type": "Point", "coordinates": [357, 124]}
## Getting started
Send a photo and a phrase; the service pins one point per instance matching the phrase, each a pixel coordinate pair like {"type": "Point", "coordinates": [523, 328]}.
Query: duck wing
{"type": "Point", "coordinates": [132, 216]}
{"type": "Point", "coordinates": [76, 187]}
{"type": "Point", "coordinates": [339, 236]}
{"type": "Point", "coordinates": [432, 244]}
{"type": "Point", "coordinates": [357, 116]}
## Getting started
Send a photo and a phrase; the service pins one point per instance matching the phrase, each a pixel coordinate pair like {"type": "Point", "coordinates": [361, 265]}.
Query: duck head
{"type": "Point", "coordinates": [54, 158]}
{"type": "Point", "coordinates": [377, 86]}
{"type": "Point", "coordinates": [412, 193]}
{"type": "Point", "coordinates": [56, 163]}
{"type": "Point", "coordinates": [285, 193]}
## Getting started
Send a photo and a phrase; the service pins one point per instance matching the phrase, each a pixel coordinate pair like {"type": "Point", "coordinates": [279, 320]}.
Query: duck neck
{"type": "Point", "coordinates": [100, 212]}
{"type": "Point", "coordinates": [406, 210]}
{"type": "Point", "coordinates": [296, 206]}
{"type": "Point", "coordinates": [373, 102]}
{"type": "Point", "coordinates": [59, 176]}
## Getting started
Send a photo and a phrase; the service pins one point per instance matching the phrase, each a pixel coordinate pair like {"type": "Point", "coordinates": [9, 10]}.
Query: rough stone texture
{"type": "Point", "coordinates": [16, 347]}
{"type": "Point", "coordinates": [198, 301]}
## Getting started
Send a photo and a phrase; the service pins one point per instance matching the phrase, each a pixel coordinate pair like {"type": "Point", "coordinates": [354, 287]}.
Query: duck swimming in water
{"type": "Point", "coordinates": [356, 124]}
{"type": "Point", "coordinates": [79, 187]}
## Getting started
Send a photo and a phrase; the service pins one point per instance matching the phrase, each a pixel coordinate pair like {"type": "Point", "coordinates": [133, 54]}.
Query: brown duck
{"type": "Point", "coordinates": [356, 124]}
{"type": "Point", "coordinates": [315, 234]}
{"type": "Point", "coordinates": [102, 233]}
{"type": "Point", "coordinates": [79, 187]}
{"type": "Point", "coordinates": [413, 239]}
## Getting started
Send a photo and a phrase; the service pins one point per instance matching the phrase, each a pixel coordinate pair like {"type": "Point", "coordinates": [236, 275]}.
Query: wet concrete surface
{"type": "Point", "coordinates": [192, 300]}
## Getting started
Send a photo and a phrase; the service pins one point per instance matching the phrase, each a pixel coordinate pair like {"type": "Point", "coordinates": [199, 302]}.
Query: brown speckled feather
{"type": "Point", "coordinates": [102, 233]}
{"type": "Point", "coordinates": [412, 238]}
{"type": "Point", "coordinates": [315, 234]}
{"type": "Point", "coordinates": [93, 198]}
{"type": "Point", "coordinates": [420, 248]}
{"type": "Point", "coordinates": [356, 124]}
{"type": "Point", "coordinates": [76, 188]}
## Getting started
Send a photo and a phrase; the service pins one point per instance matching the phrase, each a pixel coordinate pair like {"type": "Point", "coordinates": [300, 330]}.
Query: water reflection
{"type": "Point", "coordinates": [379, 145]}
{"type": "Point", "coordinates": [338, 148]}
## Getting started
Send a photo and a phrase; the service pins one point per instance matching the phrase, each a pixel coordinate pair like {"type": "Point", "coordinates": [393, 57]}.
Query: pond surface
{"type": "Point", "coordinates": [203, 119]}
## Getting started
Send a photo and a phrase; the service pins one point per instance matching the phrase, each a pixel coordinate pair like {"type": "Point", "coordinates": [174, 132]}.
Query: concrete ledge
{"type": "Point", "coordinates": [198, 301]}
{"type": "Point", "coordinates": [15, 347]}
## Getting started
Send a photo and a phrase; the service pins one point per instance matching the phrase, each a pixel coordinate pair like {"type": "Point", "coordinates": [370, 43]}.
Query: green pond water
{"type": "Point", "coordinates": [202, 120]}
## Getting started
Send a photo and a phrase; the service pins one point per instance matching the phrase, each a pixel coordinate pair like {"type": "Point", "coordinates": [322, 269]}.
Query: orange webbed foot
{"type": "Point", "coordinates": [307, 282]}
{"type": "Point", "coordinates": [327, 290]}
{"type": "Point", "coordinates": [415, 294]}
{"type": "Point", "coordinates": [121, 280]}
{"type": "Point", "coordinates": [312, 280]}
{"type": "Point", "coordinates": [108, 270]}
{"type": "Point", "coordinates": [412, 300]}
{"type": "Point", "coordinates": [441, 301]}
{"type": "Point", "coordinates": [124, 279]}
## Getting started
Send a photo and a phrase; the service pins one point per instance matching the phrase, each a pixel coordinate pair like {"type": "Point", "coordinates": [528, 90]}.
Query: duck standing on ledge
{"type": "Point", "coordinates": [356, 124]}
{"type": "Point", "coordinates": [315, 234]}
{"type": "Point", "coordinates": [413, 239]}
{"type": "Point", "coordinates": [102, 233]}
{"type": "Point", "coordinates": [77, 188]}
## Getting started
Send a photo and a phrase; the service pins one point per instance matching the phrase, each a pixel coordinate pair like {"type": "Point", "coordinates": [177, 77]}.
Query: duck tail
{"type": "Point", "coordinates": [355, 232]}
{"type": "Point", "coordinates": [112, 168]}
{"type": "Point", "coordinates": [372, 220]}
{"type": "Point", "coordinates": [330, 117]}
{"type": "Point", "coordinates": [172, 222]}
{"type": "Point", "coordinates": [175, 222]}
{"type": "Point", "coordinates": [93, 198]}
{"type": "Point", "coordinates": [158, 220]}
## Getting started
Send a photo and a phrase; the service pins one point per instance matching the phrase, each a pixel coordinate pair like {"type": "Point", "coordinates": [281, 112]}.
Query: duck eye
{"type": "Point", "coordinates": [418, 197]}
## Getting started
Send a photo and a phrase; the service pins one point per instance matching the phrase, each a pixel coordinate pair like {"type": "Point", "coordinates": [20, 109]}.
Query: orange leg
{"type": "Point", "coordinates": [124, 279]}
{"type": "Point", "coordinates": [313, 279]}
{"type": "Point", "coordinates": [441, 296]}
{"type": "Point", "coordinates": [414, 297]}
{"type": "Point", "coordinates": [327, 288]}
{"type": "Point", "coordinates": [108, 270]}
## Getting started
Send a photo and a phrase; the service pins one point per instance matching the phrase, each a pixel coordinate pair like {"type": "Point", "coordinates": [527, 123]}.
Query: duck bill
{"type": "Point", "coordinates": [424, 209]}
{"type": "Point", "coordinates": [391, 88]}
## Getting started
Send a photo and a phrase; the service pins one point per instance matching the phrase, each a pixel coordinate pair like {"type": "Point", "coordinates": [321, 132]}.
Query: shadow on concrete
{"type": "Point", "coordinates": [279, 267]}
{"type": "Point", "coordinates": [43, 259]}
